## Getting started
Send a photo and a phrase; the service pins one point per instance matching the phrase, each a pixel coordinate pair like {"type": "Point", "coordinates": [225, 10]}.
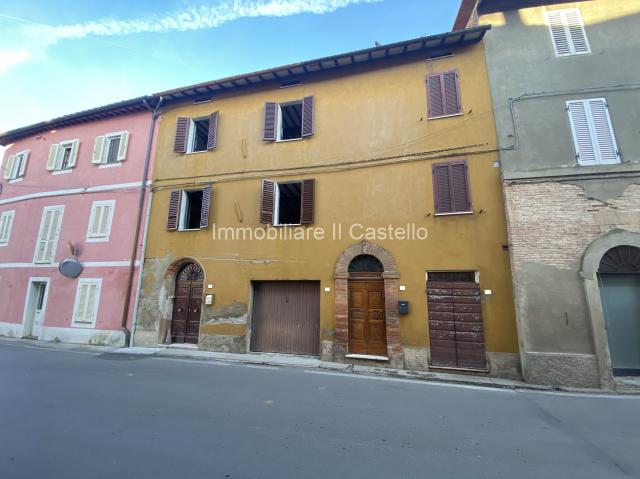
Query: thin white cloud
{"type": "Point", "coordinates": [196, 18]}
{"type": "Point", "coordinates": [37, 36]}
{"type": "Point", "coordinates": [11, 58]}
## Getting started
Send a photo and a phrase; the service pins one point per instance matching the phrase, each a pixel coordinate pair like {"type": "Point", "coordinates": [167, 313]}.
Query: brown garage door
{"type": "Point", "coordinates": [456, 332]}
{"type": "Point", "coordinates": [286, 317]}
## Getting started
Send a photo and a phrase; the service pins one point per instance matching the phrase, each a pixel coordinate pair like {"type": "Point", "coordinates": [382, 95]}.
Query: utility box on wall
{"type": "Point", "coordinates": [403, 307]}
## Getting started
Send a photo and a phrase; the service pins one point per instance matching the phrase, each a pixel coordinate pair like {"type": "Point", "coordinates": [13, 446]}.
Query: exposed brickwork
{"type": "Point", "coordinates": [390, 275]}
{"type": "Point", "coordinates": [553, 223]}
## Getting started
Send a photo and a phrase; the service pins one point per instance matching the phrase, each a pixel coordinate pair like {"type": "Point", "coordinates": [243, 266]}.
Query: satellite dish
{"type": "Point", "coordinates": [70, 267]}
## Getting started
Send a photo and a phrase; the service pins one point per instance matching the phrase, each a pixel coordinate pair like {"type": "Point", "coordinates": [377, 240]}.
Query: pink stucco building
{"type": "Point", "coordinates": [75, 187]}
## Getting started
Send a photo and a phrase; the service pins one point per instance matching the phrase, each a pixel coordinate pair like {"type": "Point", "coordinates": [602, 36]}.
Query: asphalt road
{"type": "Point", "coordinates": [69, 414]}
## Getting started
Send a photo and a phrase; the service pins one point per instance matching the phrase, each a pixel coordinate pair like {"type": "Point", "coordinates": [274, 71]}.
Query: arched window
{"type": "Point", "coordinates": [365, 263]}
{"type": "Point", "coordinates": [190, 272]}
{"type": "Point", "coordinates": [621, 259]}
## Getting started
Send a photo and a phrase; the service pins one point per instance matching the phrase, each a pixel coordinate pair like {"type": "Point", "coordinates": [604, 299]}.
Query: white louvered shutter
{"type": "Point", "coordinates": [53, 156]}
{"type": "Point", "coordinates": [98, 147]}
{"type": "Point", "coordinates": [86, 303]}
{"type": "Point", "coordinates": [605, 141]}
{"type": "Point", "coordinates": [43, 236]}
{"type": "Point", "coordinates": [8, 167]}
{"type": "Point", "coordinates": [592, 130]}
{"type": "Point", "coordinates": [124, 142]}
{"type": "Point", "coordinates": [582, 138]}
{"type": "Point", "coordinates": [567, 32]}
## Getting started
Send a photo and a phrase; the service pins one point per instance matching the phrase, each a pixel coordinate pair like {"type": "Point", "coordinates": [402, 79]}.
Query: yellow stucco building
{"type": "Point", "coordinates": [348, 208]}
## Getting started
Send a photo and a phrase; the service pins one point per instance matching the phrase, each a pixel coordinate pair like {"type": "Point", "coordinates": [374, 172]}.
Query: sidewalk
{"type": "Point", "coordinates": [632, 386]}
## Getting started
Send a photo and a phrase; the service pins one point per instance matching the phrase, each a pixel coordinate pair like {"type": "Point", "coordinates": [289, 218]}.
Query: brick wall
{"type": "Point", "coordinates": [553, 223]}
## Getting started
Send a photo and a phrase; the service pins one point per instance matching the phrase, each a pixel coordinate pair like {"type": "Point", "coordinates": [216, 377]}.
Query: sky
{"type": "Point", "coordinates": [63, 56]}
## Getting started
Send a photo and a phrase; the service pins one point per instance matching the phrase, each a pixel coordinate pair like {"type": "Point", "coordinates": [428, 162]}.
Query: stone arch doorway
{"type": "Point", "coordinates": [353, 266]}
{"type": "Point", "coordinates": [596, 263]}
{"type": "Point", "coordinates": [187, 304]}
{"type": "Point", "coordinates": [619, 281]}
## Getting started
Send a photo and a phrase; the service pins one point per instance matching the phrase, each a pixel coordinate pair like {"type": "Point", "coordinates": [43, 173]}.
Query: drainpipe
{"type": "Point", "coordinates": [136, 236]}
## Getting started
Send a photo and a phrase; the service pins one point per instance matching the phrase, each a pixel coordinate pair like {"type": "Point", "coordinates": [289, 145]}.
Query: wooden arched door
{"type": "Point", "coordinates": [367, 319]}
{"type": "Point", "coordinates": [619, 277]}
{"type": "Point", "coordinates": [187, 303]}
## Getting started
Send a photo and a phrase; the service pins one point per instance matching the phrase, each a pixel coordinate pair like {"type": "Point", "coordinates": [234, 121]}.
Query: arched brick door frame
{"type": "Point", "coordinates": [167, 293]}
{"type": "Point", "coordinates": [390, 276]}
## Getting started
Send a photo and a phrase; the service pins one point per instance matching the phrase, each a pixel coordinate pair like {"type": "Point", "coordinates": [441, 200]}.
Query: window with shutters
{"type": "Point", "coordinates": [568, 36]}
{"type": "Point", "coordinates": [62, 156]}
{"type": "Point", "coordinates": [6, 222]}
{"type": "Point", "coordinates": [195, 135]}
{"type": "Point", "coordinates": [287, 203]}
{"type": "Point", "coordinates": [48, 234]}
{"type": "Point", "coordinates": [289, 121]}
{"type": "Point", "coordinates": [100, 221]}
{"type": "Point", "coordinates": [593, 135]}
{"type": "Point", "coordinates": [451, 188]}
{"type": "Point", "coordinates": [189, 209]}
{"type": "Point", "coordinates": [85, 310]}
{"type": "Point", "coordinates": [110, 149]}
{"type": "Point", "coordinates": [443, 95]}
{"type": "Point", "coordinates": [16, 165]}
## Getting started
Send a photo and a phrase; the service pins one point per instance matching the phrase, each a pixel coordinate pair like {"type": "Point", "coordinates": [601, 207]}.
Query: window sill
{"type": "Point", "coordinates": [15, 180]}
{"type": "Point", "coordinates": [286, 224]}
{"type": "Point", "coordinates": [61, 172]}
{"type": "Point", "coordinates": [455, 213]}
{"type": "Point", "coordinates": [196, 152]}
{"type": "Point", "coordinates": [97, 239]}
{"type": "Point", "coordinates": [188, 229]}
{"type": "Point", "coordinates": [83, 325]}
{"type": "Point", "coordinates": [445, 116]}
{"type": "Point", "coordinates": [565, 55]}
{"type": "Point", "coordinates": [43, 263]}
{"type": "Point", "coordinates": [109, 165]}
{"type": "Point", "coordinates": [4, 244]}
{"type": "Point", "coordinates": [290, 139]}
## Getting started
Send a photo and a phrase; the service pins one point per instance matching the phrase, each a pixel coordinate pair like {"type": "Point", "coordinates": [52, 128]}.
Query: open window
{"type": "Point", "coordinates": [110, 149]}
{"type": "Point", "coordinates": [287, 202]}
{"type": "Point", "coordinates": [62, 156]}
{"type": "Point", "coordinates": [15, 165]}
{"type": "Point", "coordinates": [288, 121]}
{"type": "Point", "coordinates": [189, 209]}
{"type": "Point", "coordinates": [194, 135]}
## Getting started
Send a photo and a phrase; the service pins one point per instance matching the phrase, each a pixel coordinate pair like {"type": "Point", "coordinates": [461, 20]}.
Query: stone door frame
{"type": "Point", "coordinates": [589, 275]}
{"type": "Point", "coordinates": [390, 276]}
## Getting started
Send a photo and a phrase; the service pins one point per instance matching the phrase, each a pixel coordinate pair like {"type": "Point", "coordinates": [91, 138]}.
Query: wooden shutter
{"type": "Point", "coordinates": [212, 138]}
{"type": "Point", "coordinates": [451, 187]}
{"type": "Point", "coordinates": [441, 188]}
{"type": "Point", "coordinates": [308, 194]}
{"type": "Point", "coordinates": [53, 157]}
{"type": "Point", "coordinates": [451, 95]}
{"type": "Point", "coordinates": [98, 149]}
{"type": "Point", "coordinates": [206, 202]}
{"type": "Point", "coordinates": [307, 116]}
{"type": "Point", "coordinates": [48, 235]}
{"type": "Point", "coordinates": [460, 187]}
{"type": "Point", "coordinates": [434, 95]}
{"type": "Point", "coordinates": [270, 120]}
{"type": "Point", "coordinates": [567, 32]}
{"type": "Point", "coordinates": [124, 143]}
{"type": "Point", "coordinates": [266, 202]}
{"type": "Point", "coordinates": [74, 153]}
{"type": "Point", "coordinates": [8, 167]}
{"type": "Point", "coordinates": [174, 209]}
{"type": "Point", "coordinates": [182, 130]}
